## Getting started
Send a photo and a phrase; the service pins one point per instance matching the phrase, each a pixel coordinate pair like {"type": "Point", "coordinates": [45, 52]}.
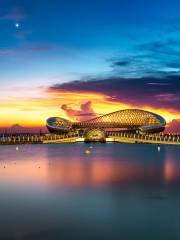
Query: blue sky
{"type": "Point", "coordinates": [57, 38]}
{"type": "Point", "coordinates": [60, 41]}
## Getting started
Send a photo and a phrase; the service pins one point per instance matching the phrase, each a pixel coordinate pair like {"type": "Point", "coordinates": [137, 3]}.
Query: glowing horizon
{"type": "Point", "coordinates": [33, 112]}
{"type": "Point", "coordinates": [105, 57]}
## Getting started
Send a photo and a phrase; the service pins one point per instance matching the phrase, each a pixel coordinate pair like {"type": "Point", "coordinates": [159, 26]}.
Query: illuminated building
{"type": "Point", "coordinates": [133, 120]}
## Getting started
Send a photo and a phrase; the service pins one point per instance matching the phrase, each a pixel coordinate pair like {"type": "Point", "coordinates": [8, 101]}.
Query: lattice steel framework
{"type": "Point", "coordinates": [130, 119]}
{"type": "Point", "coordinates": [95, 134]}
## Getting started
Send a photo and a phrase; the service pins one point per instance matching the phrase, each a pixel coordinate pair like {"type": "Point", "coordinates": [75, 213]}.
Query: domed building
{"type": "Point", "coordinates": [95, 135]}
{"type": "Point", "coordinates": [58, 125]}
{"type": "Point", "coordinates": [135, 120]}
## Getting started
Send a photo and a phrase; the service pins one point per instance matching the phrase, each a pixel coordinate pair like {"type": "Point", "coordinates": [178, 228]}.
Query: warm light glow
{"type": "Point", "coordinates": [38, 105]}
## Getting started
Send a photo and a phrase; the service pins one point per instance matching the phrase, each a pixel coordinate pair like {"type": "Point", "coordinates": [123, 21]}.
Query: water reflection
{"type": "Point", "coordinates": [104, 166]}
{"type": "Point", "coordinates": [117, 191]}
{"type": "Point", "coordinates": [78, 172]}
{"type": "Point", "coordinates": [171, 167]}
{"type": "Point", "coordinates": [26, 166]}
{"type": "Point", "coordinates": [69, 166]}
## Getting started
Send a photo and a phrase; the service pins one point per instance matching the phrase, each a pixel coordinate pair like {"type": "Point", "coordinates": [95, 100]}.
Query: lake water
{"type": "Point", "coordinates": [118, 191]}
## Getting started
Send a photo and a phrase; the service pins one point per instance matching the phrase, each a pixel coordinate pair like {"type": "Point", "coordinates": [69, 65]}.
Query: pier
{"type": "Point", "coordinates": [139, 138]}
{"type": "Point", "coordinates": [73, 138]}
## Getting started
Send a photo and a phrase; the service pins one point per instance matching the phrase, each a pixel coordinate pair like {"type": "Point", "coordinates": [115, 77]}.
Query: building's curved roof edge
{"type": "Point", "coordinates": [159, 125]}
{"type": "Point", "coordinates": [162, 120]}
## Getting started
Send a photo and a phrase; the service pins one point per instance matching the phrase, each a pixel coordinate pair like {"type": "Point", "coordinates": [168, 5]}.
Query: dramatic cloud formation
{"type": "Point", "coordinates": [159, 93]}
{"type": "Point", "coordinates": [86, 111]}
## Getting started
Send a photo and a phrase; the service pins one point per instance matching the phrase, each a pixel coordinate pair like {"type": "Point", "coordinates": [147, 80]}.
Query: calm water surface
{"type": "Point", "coordinates": [119, 191]}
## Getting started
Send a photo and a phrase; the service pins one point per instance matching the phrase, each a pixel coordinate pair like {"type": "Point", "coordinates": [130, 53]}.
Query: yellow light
{"type": "Point", "coordinates": [33, 110]}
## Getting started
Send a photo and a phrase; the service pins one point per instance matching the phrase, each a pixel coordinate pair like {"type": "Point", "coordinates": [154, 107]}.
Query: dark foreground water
{"type": "Point", "coordinates": [119, 191]}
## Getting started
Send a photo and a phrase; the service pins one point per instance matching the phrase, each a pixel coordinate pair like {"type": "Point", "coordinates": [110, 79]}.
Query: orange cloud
{"type": "Point", "coordinates": [31, 107]}
{"type": "Point", "coordinates": [85, 112]}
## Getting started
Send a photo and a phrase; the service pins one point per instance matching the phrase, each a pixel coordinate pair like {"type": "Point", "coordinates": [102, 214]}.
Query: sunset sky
{"type": "Point", "coordinates": [78, 58]}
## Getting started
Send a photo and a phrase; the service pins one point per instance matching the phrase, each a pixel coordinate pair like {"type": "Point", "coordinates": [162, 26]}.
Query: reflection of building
{"type": "Point", "coordinates": [130, 119]}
